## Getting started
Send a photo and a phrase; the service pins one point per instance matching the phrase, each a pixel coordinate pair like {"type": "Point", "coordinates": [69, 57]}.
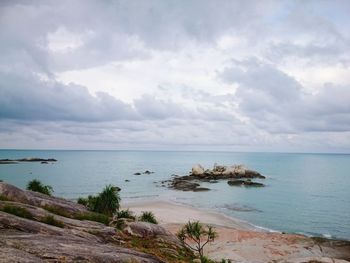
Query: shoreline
{"type": "Point", "coordinates": [240, 241]}
{"type": "Point", "coordinates": [171, 212]}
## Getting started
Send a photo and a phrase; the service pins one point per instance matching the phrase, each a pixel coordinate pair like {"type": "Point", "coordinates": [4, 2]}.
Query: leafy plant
{"type": "Point", "coordinates": [149, 217]}
{"type": "Point", "coordinates": [125, 214]}
{"type": "Point", "coordinates": [50, 220]}
{"type": "Point", "coordinates": [106, 202]}
{"type": "Point", "coordinates": [37, 186]}
{"type": "Point", "coordinates": [17, 211]}
{"type": "Point", "coordinates": [195, 236]}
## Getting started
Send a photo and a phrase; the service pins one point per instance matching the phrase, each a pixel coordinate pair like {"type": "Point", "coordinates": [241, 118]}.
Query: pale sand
{"type": "Point", "coordinates": [238, 240]}
{"type": "Point", "coordinates": [171, 213]}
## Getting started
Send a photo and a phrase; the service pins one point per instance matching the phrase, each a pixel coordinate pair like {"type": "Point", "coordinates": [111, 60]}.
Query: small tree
{"type": "Point", "coordinates": [195, 236]}
{"type": "Point", "coordinates": [37, 186]}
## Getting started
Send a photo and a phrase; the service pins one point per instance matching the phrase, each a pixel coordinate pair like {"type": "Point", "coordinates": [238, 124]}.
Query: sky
{"type": "Point", "coordinates": [175, 75]}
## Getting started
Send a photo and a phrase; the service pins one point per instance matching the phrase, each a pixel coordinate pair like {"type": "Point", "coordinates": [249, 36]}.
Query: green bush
{"type": "Point", "coordinates": [82, 201]}
{"type": "Point", "coordinates": [149, 217]}
{"type": "Point", "coordinates": [106, 202]}
{"type": "Point", "coordinates": [125, 214]}
{"type": "Point", "coordinates": [17, 211]}
{"type": "Point", "coordinates": [37, 186]}
{"type": "Point", "coordinates": [50, 220]}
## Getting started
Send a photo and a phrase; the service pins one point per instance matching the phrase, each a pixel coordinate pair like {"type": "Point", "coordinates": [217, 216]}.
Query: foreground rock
{"type": "Point", "coordinates": [28, 236]}
{"type": "Point", "coordinates": [198, 174]}
{"type": "Point", "coordinates": [30, 159]}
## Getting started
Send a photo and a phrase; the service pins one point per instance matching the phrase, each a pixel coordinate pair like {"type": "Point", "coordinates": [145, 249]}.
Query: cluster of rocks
{"type": "Point", "coordinates": [145, 172]}
{"type": "Point", "coordinates": [30, 159]}
{"type": "Point", "coordinates": [237, 175]}
{"type": "Point", "coordinates": [30, 239]}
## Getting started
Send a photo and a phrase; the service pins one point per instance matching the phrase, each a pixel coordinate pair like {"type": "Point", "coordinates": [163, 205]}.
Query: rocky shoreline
{"type": "Point", "coordinates": [73, 235]}
{"type": "Point", "coordinates": [38, 228]}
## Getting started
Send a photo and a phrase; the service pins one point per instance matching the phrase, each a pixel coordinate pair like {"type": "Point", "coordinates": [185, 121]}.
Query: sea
{"type": "Point", "coordinates": [305, 193]}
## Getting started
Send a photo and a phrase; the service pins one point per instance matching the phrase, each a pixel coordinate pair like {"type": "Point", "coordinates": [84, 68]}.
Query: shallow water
{"type": "Point", "coordinates": [304, 193]}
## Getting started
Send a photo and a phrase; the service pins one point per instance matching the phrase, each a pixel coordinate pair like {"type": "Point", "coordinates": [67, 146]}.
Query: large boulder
{"type": "Point", "coordinates": [197, 170]}
{"type": "Point", "coordinates": [24, 240]}
{"type": "Point", "coordinates": [144, 229]}
{"type": "Point", "coordinates": [41, 200]}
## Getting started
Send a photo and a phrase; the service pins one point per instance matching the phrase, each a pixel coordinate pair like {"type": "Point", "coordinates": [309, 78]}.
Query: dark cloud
{"type": "Point", "coordinates": [28, 98]}
{"type": "Point", "coordinates": [254, 101]}
{"type": "Point", "coordinates": [276, 102]}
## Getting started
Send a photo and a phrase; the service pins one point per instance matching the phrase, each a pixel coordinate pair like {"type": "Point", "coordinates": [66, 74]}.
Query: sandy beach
{"type": "Point", "coordinates": [241, 242]}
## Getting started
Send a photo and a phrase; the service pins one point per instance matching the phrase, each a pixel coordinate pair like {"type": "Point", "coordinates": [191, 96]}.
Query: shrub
{"type": "Point", "coordinates": [125, 214]}
{"type": "Point", "coordinates": [37, 186]}
{"type": "Point", "coordinates": [106, 202]}
{"type": "Point", "coordinates": [50, 220]}
{"type": "Point", "coordinates": [17, 211]}
{"type": "Point", "coordinates": [197, 233]}
{"type": "Point", "coordinates": [148, 217]}
{"type": "Point", "coordinates": [82, 201]}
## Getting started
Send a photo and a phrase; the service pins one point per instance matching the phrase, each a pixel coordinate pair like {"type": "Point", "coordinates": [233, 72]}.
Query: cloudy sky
{"type": "Point", "coordinates": [175, 75]}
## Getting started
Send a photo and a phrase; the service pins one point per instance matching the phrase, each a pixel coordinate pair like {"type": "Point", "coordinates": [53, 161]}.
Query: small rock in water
{"type": "Point", "coordinates": [127, 180]}
{"type": "Point", "coordinates": [244, 183]}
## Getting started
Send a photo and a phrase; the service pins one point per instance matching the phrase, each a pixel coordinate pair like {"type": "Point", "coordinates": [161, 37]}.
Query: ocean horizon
{"type": "Point", "coordinates": [305, 192]}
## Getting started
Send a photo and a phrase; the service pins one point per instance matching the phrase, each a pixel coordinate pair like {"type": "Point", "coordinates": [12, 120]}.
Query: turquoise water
{"type": "Point", "coordinates": [304, 193]}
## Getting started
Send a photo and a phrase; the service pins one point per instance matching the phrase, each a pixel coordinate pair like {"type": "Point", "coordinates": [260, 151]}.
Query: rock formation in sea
{"type": "Point", "coordinates": [199, 174]}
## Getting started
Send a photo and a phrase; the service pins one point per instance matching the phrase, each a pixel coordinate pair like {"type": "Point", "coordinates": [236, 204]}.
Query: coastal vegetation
{"type": "Point", "coordinates": [24, 236]}
{"type": "Point", "coordinates": [50, 220]}
{"type": "Point", "coordinates": [107, 202]}
{"type": "Point", "coordinates": [17, 211]}
{"type": "Point", "coordinates": [37, 186]}
{"type": "Point", "coordinates": [149, 217]}
{"type": "Point", "coordinates": [194, 235]}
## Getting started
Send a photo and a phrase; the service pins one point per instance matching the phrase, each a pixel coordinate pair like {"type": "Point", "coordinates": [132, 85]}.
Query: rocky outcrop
{"type": "Point", "coordinates": [244, 183]}
{"type": "Point", "coordinates": [40, 200]}
{"type": "Point", "coordinates": [185, 184]}
{"type": "Point", "coordinates": [219, 172]}
{"type": "Point", "coordinates": [30, 159]}
{"type": "Point", "coordinates": [197, 170]}
{"type": "Point", "coordinates": [227, 172]}
{"type": "Point", "coordinates": [28, 236]}
{"type": "Point", "coordinates": [24, 240]}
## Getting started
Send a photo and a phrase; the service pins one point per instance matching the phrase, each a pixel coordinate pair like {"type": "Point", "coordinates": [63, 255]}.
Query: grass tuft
{"type": "Point", "coordinates": [17, 211]}
{"type": "Point", "coordinates": [50, 220]}
{"type": "Point", "coordinates": [149, 217]}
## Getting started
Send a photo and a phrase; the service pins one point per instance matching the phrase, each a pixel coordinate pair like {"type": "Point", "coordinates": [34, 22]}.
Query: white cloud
{"type": "Point", "coordinates": [233, 75]}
